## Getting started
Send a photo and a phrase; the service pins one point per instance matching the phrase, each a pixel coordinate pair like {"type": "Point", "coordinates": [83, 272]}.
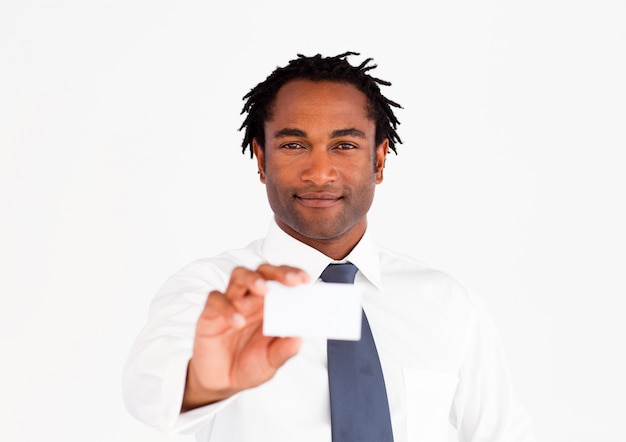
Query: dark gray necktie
{"type": "Point", "coordinates": [359, 408]}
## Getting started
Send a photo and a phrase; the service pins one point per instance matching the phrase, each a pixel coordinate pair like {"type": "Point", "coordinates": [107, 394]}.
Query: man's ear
{"type": "Point", "coordinates": [260, 159]}
{"type": "Point", "coordinates": [381, 157]}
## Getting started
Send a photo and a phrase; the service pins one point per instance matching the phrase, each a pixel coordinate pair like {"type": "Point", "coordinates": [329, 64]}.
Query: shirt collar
{"type": "Point", "coordinates": [279, 248]}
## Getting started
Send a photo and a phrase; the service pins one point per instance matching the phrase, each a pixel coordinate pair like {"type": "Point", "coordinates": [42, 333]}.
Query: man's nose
{"type": "Point", "coordinates": [319, 168]}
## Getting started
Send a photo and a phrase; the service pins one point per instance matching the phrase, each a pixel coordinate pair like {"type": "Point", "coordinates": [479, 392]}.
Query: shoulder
{"type": "Point", "coordinates": [220, 266]}
{"type": "Point", "coordinates": [194, 281]}
{"type": "Point", "coordinates": [396, 264]}
{"type": "Point", "coordinates": [418, 279]}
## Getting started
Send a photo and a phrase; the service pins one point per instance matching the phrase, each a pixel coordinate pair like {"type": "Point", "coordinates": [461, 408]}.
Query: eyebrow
{"type": "Point", "coordinates": [292, 132]}
{"type": "Point", "coordinates": [289, 132]}
{"type": "Point", "coordinates": [348, 133]}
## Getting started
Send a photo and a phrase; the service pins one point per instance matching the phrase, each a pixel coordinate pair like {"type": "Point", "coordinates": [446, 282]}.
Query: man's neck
{"type": "Point", "coordinates": [336, 248]}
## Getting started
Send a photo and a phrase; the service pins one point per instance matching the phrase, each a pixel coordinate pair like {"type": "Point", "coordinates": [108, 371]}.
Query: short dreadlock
{"type": "Point", "coordinates": [260, 99]}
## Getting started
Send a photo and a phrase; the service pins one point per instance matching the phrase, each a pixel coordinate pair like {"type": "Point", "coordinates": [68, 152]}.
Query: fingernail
{"type": "Point", "coordinates": [260, 285]}
{"type": "Point", "coordinates": [295, 277]}
{"type": "Point", "coordinates": [238, 320]}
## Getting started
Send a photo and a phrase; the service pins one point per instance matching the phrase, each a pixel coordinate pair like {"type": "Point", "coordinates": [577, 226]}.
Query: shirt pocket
{"type": "Point", "coordinates": [429, 396]}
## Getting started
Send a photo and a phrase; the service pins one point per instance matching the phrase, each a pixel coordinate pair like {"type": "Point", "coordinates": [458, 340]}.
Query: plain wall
{"type": "Point", "coordinates": [120, 162]}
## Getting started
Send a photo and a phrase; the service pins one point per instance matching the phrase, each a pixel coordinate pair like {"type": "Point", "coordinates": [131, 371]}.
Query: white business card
{"type": "Point", "coordinates": [328, 310]}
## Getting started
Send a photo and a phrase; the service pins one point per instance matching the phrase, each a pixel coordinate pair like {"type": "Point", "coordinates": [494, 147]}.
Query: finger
{"type": "Point", "coordinates": [219, 315]}
{"type": "Point", "coordinates": [284, 274]}
{"type": "Point", "coordinates": [252, 306]}
{"type": "Point", "coordinates": [280, 350]}
{"type": "Point", "coordinates": [244, 282]}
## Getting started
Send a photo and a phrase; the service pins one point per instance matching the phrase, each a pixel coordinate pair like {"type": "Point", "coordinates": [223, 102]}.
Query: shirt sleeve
{"type": "Point", "coordinates": [485, 406]}
{"type": "Point", "coordinates": [154, 375]}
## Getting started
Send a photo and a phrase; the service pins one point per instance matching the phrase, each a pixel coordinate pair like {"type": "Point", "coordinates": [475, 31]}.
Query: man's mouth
{"type": "Point", "coordinates": [321, 199]}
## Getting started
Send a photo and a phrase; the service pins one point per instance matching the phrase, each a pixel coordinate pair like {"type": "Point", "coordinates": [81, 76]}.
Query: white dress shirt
{"type": "Point", "coordinates": [445, 371]}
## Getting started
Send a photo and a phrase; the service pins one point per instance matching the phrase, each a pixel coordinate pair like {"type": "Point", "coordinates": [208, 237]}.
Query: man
{"type": "Point", "coordinates": [320, 130]}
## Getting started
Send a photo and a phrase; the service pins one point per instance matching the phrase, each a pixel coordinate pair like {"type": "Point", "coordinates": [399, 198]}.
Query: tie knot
{"type": "Point", "coordinates": [343, 273]}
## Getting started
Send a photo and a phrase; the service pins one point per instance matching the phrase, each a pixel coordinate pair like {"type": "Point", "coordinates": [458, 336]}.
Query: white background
{"type": "Point", "coordinates": [120, 162]}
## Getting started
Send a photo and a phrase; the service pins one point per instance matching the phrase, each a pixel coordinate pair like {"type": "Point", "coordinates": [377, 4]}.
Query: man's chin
{"type": "Point", "coordinates": [321, 231]}
{"type": "Point", "coordinates": [315, 227]}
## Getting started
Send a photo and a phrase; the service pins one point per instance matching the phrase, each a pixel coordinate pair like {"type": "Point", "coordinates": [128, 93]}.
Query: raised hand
{"type": "Point", "coordinates": [230, 353]}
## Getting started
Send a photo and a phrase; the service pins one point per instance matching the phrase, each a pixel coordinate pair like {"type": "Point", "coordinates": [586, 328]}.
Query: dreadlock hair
{"type": "Point", "coordinates": [259, 101]}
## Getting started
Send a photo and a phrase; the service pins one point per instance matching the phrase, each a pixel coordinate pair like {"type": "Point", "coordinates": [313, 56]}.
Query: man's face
{"type": "Point", "coordinates": [321, 164]}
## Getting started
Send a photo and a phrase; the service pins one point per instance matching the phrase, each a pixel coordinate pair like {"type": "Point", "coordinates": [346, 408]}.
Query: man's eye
{"type": "Point", "coordinates": [346, 146]}
{"type": "Point", "coordinates": [292, 146]}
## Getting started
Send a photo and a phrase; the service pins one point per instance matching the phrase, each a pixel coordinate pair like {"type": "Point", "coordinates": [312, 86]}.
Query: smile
{"type": "Point", "coordinates": [318, 199]}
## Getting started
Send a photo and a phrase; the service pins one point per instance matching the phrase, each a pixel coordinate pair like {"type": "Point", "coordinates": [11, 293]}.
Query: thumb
{"type": "Point", "coordinates": [281, 350]}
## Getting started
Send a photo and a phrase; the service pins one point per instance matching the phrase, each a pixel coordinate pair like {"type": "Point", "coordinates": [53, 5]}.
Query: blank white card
{"type": "Point", "coordinates": [328, 310]}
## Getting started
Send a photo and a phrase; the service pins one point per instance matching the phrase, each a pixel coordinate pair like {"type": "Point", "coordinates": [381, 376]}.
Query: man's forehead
{"type": "Point", "coordinates": [303, 90]}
